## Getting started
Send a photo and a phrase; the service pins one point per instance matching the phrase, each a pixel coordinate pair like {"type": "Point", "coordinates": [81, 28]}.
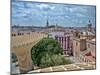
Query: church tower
{"type": "Point", "coordinates": [89, 27]}
{"type": "Point", "coordinates": [47, 23]}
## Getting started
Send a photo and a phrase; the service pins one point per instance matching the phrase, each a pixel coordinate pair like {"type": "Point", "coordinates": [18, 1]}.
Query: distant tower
{"type": "Point", "coordinates": [56, 25]}
{"type": "Point", "coordinates": [47, 23]}
{"type": "Point", "coordinates": [89, 27]}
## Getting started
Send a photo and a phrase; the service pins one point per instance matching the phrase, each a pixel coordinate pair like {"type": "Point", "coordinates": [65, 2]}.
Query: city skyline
{"type": "Point", "coordinates": [66, 15]}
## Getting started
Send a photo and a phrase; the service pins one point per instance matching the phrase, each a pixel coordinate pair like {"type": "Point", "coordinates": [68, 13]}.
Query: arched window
{"type": "Point", "coordinates": [14, 34]}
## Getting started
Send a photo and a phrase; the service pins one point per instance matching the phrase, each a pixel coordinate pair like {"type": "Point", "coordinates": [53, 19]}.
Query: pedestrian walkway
{"type": "Point", "coordinates": [69, 67]}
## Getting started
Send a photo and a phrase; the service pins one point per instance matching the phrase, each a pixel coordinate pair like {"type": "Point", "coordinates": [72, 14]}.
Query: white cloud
{"type": "Point", "coordinates": [52, 7]}
{"type": "Point", "coordinates": [73, 9]}
{"type": "Point", "coordinates": [18, 4]}
{"type": "Point", "coordinates": [30, 5]}
{"type": "Point", "coordinates": [43, 6]}
{"type": "Point", "coordinates": [67, 9]}
{"type": "Point", "coordinates": [78, 9]}
{"type": "Point", "coordinates": [66, 16]}
{"type": "Point", "coordinates": [80, 15]}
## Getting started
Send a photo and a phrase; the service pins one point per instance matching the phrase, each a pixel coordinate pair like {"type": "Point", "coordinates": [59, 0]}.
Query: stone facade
{"type": "Point", "coordinates": [84, 49]}
{"type": "Point", "coordinates": [66, 44]}
{"type": "Point", "coordinates": [78, 46]}
{"type": "Point", "coordinates": [21, 45]}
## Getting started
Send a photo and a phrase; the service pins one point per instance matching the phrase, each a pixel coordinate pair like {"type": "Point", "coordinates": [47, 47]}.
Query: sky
{"type": "Point", "coordinates": [67, 15]}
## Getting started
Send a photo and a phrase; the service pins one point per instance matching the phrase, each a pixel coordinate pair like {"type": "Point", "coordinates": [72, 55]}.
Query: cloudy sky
{"type": "Point", "coordinates": [33, 13]}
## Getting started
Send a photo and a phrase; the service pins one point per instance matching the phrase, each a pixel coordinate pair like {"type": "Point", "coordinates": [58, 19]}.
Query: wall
{"type": "Point", "coordinates": [76, 47]}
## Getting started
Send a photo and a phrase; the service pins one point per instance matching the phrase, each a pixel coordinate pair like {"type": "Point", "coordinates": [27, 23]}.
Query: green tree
{"type": "Point", "coordinates": [47, 52]}
{"type": "Point", "coordinates": [53, 60]}
{"type": "Point", "coordinates": [46, 61]}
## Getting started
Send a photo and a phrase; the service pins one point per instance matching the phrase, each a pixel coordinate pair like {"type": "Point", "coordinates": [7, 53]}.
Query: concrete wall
{"type": "Point", "coordinates": [21, 46]}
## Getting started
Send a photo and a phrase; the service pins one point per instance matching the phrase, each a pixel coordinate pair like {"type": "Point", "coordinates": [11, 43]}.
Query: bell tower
{"type": "Point", "coordinates": [89, 27]}
{"type": "Point", "coordinates": [47, 23]}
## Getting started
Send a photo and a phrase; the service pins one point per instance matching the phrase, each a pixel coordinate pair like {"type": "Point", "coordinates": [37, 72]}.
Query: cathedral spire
{"type": "Point", "coordinates": [47, 23]}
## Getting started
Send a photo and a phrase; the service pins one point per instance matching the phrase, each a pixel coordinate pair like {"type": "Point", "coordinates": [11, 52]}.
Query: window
{"type": "Point", "coordinates": [76, 43]}
{"type": "Point", "coordinates": [14, 34]}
